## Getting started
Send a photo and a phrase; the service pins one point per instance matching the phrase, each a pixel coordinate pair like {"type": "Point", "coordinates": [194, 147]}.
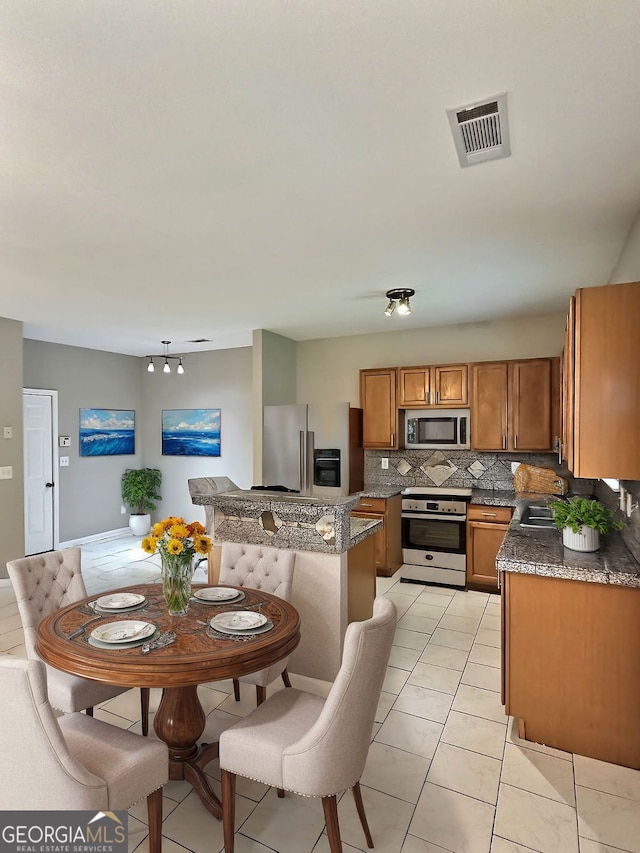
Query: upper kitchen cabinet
{"type": "Point", "coordinates": [439, 385]}
{"type": "Point", "coordinates": [380, 417]}
{"type": "Point", "coordinates": [602, 392]}
{"type": "Point", "coordinates": [515, 405]}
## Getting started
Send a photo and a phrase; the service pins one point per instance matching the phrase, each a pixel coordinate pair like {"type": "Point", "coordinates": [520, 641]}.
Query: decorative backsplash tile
{"type": "Point", "coordinates": [456, 468]}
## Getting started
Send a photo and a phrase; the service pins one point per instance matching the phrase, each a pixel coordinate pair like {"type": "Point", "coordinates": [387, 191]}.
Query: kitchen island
{"type": "Point", "coordinates": [571, 642]}
{"type": "Point", "coordinates": [334, 579]}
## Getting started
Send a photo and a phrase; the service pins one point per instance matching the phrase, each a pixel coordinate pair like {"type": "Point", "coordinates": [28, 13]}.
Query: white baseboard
{"type": "Point", "coordinates": [96, 537]}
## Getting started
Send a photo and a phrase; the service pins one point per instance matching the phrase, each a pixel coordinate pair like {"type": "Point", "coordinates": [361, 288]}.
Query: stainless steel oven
{"type": "Point", "coordinates": [434, 536]}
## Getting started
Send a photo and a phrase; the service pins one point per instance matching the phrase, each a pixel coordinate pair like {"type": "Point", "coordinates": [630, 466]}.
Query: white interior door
{"type": "Point", "coordinates": [38, 473]}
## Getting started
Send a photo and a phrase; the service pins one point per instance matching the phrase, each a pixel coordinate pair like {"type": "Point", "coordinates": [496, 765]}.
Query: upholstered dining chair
{"type": "Point", "coordinates": [74, 762]}
{"type": "Point", "coordinates": [42, 584]}
{"type": "Point", "coordinates": [316, 747]}
{"type": "Point", "coordinates": [270, 570]}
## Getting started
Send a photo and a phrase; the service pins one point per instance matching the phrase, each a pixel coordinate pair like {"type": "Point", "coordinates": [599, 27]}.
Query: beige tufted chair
{"type": "Point", "coordinates": [271, 570]}
{"type": "Point", "coordinates": [74, 762]}
{"type": "Point", "coordinates": [45, 583]}
{"type": "Point", "coordinates": [316, 747]}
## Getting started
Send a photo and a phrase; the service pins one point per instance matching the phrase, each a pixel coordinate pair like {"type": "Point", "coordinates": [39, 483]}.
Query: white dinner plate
{"type": "Point", "coordinates": [238, 620]}
{"type": "Point", "coordinates": [120, 601]}
{"type": "Point", "coordinates": [216, 594]}
{"type": "Point", "coordinates": [125, 631]}
{"type": "Point", "coordinates": [243, 632]}
{"type": "Point", "coordinates": [132, 644]}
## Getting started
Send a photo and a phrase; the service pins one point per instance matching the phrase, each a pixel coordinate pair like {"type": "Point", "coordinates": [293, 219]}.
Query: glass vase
{"type": "Point", "coordinates": [177, 573]}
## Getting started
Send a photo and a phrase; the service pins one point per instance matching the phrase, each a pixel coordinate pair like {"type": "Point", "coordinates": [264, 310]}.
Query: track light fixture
{"type": "Point", "coordinates": [399, 298]}
{"type": "Point", "coordinates": [166, 368]}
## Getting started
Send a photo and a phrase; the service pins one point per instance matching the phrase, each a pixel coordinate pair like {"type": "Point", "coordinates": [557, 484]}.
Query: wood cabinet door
{"type": "Point", "coordinates": [489, 384]}
{"type": "Point", "coordinates": [379, 411]}
{"type": "Point", "coordinates": [568, 370]}
{"type": "Point", "coordinates": [530, 404]}
{"type": "Point", "coordinates": [483, 543]}
{"type": "Point", "coordinates": [379, 537]}
{"type": "Point", "coordinates": [450, 385]}
{"type": "Point", "coordinates": [414, 386]}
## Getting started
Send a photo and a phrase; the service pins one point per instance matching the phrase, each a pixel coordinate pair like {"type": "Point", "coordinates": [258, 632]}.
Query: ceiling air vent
{"type": "Point", "coordinates": [481, 130]}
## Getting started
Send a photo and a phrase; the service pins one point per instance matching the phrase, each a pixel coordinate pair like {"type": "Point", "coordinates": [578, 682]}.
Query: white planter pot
{"type": "Point", "coordinates": [140, 525]}
{"type": "Point", "coordinates": [586, 539]}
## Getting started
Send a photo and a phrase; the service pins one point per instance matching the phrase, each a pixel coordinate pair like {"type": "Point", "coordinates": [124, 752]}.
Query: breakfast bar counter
{"type": "Point", "coordinates": [334, 579]}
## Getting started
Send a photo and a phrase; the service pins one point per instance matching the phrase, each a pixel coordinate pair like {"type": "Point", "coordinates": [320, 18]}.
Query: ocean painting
{"type": "Point", "coordinates": [107, 432]}
{"type": "Point", "coordinates": [191, 432]}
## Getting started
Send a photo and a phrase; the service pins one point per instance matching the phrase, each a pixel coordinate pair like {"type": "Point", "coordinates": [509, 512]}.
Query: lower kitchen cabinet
{"type": "Point", "coordinates": [486, 528]}
{"type": "Point", "coordinates": [570, 665]}
{"type": "Point", "coordinates": [388, 541]}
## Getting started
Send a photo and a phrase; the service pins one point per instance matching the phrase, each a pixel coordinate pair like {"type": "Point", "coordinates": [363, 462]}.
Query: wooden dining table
{"type": "Point", "coordinates": [197, 656]}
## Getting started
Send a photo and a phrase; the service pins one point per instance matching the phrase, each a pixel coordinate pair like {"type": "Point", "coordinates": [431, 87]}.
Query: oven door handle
{"type": "Point", "coordinates": [429, 516]}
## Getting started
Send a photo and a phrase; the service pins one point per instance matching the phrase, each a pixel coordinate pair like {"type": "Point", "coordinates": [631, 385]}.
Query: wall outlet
{"type": "Point", "coordinates": [123, 510]}
{"type": "Point", "coordinates": [64, 461]}
{"type": "Point", "coordinates": [6, 473]}
{"type": "Point", "coordinates": [623, 498]}
{"type": "Point", "coordinates": [630, 505]}
{"type": "Point", "coordinates": [7, 432]}
{"type": "Point", "coordinates": [384, 462]}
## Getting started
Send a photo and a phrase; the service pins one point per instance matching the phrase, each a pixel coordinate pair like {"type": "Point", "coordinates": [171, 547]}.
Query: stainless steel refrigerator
{"type": "Point", "coordinates": [315, 449]}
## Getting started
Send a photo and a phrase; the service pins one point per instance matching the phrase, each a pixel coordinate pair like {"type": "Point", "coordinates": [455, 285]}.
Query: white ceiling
{"type": "Point", "coordinates": [199, 169]}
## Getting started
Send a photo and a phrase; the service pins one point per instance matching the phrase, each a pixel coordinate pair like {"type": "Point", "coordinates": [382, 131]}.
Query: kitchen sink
{"type": "Point", "coordinates": [537, 516]}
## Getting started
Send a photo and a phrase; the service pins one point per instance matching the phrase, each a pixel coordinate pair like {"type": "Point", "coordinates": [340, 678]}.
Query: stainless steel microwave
{"type": "Point", "coordinates": [445, 429]}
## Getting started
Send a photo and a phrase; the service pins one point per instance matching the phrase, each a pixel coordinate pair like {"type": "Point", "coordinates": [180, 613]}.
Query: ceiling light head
{"type": "Point", "coordinates": [399, 298]}
{"type": "Point", "coordinates": [166, 368]}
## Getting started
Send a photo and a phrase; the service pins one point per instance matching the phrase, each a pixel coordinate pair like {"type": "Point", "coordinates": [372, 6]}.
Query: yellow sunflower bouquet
{"type": "Point", "coordinates": [178, 544]}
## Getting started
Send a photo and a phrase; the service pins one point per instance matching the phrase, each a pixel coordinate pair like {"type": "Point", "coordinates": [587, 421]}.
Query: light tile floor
{"type": "Point", "coordinates": [446, 770]}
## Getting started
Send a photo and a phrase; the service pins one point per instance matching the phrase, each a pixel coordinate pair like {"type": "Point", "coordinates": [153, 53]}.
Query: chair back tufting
{"type": "Point", "coordinates": [257, 567]}
{"type": "Point", "coordinates": [44, 583]}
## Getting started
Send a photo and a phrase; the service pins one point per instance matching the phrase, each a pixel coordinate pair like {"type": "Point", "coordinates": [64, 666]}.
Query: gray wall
{"type": "Point", "coordinates": [212, 380]}
{"type": "Point", "coordinates": [11, 491]}
{"type": "Point", "coordinates": [89, 489]}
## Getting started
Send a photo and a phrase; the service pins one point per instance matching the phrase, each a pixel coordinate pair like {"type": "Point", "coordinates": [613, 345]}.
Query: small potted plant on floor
{"type": "Point", "coordinates": [140, 491]}
{"type": "Point", "coordinates": [582, 521]}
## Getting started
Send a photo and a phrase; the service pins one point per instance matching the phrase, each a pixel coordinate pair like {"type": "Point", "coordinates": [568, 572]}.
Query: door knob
{"type": "Point", "coordinates": [49, 485]}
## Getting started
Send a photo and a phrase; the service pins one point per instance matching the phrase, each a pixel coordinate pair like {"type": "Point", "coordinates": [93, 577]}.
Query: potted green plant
{"type": "Point", "coordinates": [582, 521]}
{"type": "Point", "coordinates": [140, 491]}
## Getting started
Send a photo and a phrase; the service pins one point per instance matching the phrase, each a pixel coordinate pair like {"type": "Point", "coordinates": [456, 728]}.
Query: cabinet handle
{"type": "Point", "coordinates": [392, 439]}
{"type": "Point", "coordinates": [490, 514]}
{"type": "Point", "coordinates": [515, 442]}
{"type": "Point", "coordinates": [504, 442]}
{"type": "Point", "coordinates": [364, 504]}
{"type": "Point", "coordinates": [559, 449]}
{"type": "Point", "coordinates": [437, 398]}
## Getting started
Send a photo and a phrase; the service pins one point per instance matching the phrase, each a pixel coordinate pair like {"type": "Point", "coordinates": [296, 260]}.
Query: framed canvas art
{"type": "Point", "coordinates": [107, 432]}
{"type": "Point", "coordinates": [191, 432]}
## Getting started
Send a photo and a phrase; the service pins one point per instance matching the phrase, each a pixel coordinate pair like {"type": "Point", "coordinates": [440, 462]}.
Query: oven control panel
{"type": "Point", "coordinates": [440, 506]}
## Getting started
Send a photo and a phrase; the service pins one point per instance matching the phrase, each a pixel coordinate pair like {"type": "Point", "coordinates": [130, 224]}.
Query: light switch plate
{"type": "Point", "coordinates": [64, 461]}
{"type": "Point", "coordinates": [64, 441]}
{"type": "Point", "coordinates": [7, 432]}
{"type": "Point", "coordinates": [384, 462]}
{"type": "Point", "coordinates": [6, 473]}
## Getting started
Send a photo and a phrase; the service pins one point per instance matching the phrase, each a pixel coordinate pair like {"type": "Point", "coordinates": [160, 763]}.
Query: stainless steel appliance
{"type": "Point", "coordinates": [434, 522]}
{"type": "Point", "coordinates": [290, 436]}
{"type": "Point", "coordinates": [446, 429]}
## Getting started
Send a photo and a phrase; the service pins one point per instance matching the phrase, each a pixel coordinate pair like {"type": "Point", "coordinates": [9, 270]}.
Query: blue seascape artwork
{"type": "Point", "coordinates": [191, 432]}
{"type": "Point", "coordinates": [107, 432]}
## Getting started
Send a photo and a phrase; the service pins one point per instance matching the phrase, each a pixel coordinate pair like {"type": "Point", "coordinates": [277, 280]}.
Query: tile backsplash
{"type": "Point", "coordinates": [459, 469]}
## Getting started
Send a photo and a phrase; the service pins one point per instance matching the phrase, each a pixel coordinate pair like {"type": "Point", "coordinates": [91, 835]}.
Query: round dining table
{"type": "Point", "coordinates": [197, 655]}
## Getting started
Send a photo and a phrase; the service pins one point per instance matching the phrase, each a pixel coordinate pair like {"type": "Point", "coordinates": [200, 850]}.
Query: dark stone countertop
{"type": "Point", "coordinates": [373, 490]}
{"type": "Point", "coordinates": [537, 551]}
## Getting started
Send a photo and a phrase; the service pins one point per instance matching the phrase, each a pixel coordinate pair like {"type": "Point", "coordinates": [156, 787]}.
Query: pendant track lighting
{"type": "Point", "coordinates": [399, 298]}
{"type": "Point", "coordinates": [166, 358]}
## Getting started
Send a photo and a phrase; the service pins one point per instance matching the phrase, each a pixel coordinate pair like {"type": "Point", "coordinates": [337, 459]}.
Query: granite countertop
{"type": "Point", "coordinates": [373, 490]}
{"type": "Point", "coordinates": [265, 496]}
{"type": "Point", "coordinates": [493, 497]}
{"type": "Point", "coordinates": [538, 551]}
{"type": "Point", "coordinates": [363, 527]}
